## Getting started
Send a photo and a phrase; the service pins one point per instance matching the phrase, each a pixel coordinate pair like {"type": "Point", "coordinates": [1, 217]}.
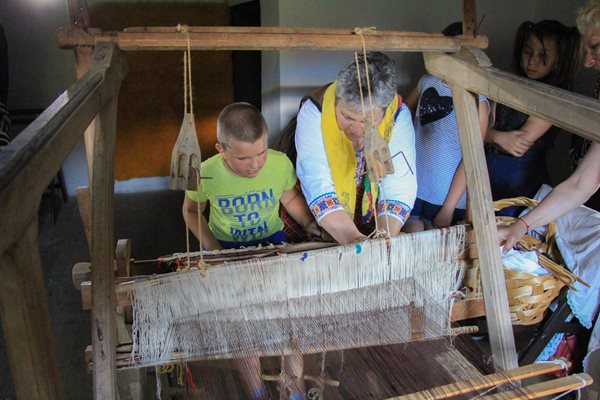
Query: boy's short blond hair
{"type": "Point", "coordinates": [240, 121]}
{"type": "Point", "coordinates": [588, 16]}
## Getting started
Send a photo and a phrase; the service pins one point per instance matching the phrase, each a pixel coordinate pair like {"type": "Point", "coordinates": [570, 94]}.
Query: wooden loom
{"type": "Point", "coordinates": [32, 160]}
{"type": "Point", "coordinates": [399, 355]}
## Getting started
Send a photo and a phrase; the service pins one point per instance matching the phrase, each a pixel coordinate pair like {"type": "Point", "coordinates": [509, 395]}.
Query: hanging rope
{"type": "Point", "coordinates": [162, 370]}
{"type": "Point", "coordinates": [188, 95]}
{"type": "Point", "coordinates": [361, 32]}
{"type": "Point", "coordinates": [201, 264]}
{"type": "Point", "coordinates": [187, 72]}
{"type": "Point", "coordinates": [316, 393]}
{"type": "Point", "coordinates": [285, 382]}
{"type": "Point", "coordinates": [362, 98]}
{"type": "Point", "coordinates": [369, 31]}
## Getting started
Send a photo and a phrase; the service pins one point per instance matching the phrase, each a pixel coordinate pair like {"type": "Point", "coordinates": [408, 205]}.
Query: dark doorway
{"type": "Point", "coordinates": [246, 64]}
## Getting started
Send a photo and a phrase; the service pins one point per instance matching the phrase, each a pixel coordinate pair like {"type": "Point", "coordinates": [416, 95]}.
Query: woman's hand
{"type": "Point", "coordinates": [313, 229]}
{"type": "Point", "coordinates": [514, 143]}
{"type": "Point", "coordinates": [341, 227]}
{"type": "Point", "coordinates": [509, 235]}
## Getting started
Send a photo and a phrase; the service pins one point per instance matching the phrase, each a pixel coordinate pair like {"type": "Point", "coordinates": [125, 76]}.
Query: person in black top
{"type": "Point", "coordinates": [547, 52]}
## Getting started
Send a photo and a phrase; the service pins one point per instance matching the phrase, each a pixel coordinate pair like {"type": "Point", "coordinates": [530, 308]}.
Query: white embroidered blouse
{"type": "Point", "coordinates": [397, 191]}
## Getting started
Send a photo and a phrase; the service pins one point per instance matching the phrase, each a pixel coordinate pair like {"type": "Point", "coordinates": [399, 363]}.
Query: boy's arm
{"type": "Point", "coordinates": [459, 183]}
{"type": "Point", "coordinates": [197, 223]}
{"type": "Point", "coordinates": [296, 206]}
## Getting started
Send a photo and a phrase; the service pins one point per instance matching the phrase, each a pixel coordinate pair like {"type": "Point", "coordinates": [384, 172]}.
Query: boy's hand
{"type": "Point", "coordinates": [313, 229]}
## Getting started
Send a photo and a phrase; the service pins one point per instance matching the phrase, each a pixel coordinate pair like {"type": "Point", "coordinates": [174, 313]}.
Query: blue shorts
{"type": "Point", "coordinates": [276, 238]}
{"type": "Point", "coordinates": [425, 211]}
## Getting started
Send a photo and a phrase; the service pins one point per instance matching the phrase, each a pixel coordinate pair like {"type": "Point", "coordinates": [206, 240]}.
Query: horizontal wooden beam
{"type": "Point", "coordinates": [574, 113]}
{"type": "Point", "coordinates": [544, 389]}
{"type": "Point", "coordinates": [126, 359]}
{"type": "Point", "coordinates": [30, 162]}
{"type": "Point", "coordinates": [265, 38]}
{"type": "Point", "coordinates": [485, 381]}
{"type": "Point", "coordinates": [267, 30]}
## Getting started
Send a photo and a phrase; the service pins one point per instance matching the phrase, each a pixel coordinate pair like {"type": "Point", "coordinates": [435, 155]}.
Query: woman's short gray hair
{"type": "Point", "coordinates": [383, 78]}
{"type": "Point", "coordinates": [588, 16]}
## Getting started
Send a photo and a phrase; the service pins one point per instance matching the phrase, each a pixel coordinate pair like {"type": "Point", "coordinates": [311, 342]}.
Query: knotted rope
{"type": "Point", "coordinates": [187, 94]}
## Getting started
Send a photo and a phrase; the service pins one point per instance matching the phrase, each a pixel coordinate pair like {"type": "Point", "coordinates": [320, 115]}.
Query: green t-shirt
{"type": "Point", "coordinates": [244, 209]}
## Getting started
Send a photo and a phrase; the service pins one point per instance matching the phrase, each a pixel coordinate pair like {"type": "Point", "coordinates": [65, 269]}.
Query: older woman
{"type": "Point", "coordinates": [331, 161]}
{"type": "Point", "coordinates": [584, 182]}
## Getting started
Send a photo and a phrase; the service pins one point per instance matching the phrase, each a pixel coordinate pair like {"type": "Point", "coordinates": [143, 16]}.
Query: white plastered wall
{"type": "Point", "coordinates": [299, 72]}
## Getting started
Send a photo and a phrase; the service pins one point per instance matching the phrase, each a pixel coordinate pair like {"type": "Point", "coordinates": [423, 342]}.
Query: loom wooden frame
{"type": "Point", "coordinates": [28, 164]}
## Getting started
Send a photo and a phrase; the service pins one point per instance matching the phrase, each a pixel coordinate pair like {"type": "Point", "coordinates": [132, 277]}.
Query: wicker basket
{"type": "Point", "coordinates": [530, 295]}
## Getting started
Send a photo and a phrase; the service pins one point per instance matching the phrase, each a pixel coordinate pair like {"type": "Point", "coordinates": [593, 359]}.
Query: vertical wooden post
{"type": "Point", "coordinates": [469, 17]}
{"type": "Point", "coordinates": [84, 201]}
{"type": "Point", "coordinates": [484, 224]}
{"type": "Point", "coordinates": [26, 320]}
{"type": "Point", "coordinates": [104, 326]}
{"type": "Point", "coordinates": [79, 18]}
{"type": "Point", "coordinates": [78, 14]}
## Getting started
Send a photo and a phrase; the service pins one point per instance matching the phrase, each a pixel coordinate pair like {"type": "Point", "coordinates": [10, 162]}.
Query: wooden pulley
{"type": "Point", "coordinates": [185, 157]}
{"type": "Point", "coordinates": [377, 154]}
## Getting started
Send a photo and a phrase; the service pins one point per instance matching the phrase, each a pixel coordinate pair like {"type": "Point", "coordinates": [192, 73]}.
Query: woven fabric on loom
{"type": "Point", "coordinates": [381, 291]}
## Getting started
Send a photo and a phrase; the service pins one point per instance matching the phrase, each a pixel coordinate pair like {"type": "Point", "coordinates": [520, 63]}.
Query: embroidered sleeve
{"type": "Point", "coordinates": [393, 208]}
{"type": "Point", "coordinates": [324, 204]}
{"type": "Point", "coordinates": [398, 190]}
{"type": "Point", "coordinates": [312, 167]}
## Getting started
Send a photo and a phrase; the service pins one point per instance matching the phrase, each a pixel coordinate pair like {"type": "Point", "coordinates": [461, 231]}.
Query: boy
{"type": "Point", "coordinates": [248, 181]}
